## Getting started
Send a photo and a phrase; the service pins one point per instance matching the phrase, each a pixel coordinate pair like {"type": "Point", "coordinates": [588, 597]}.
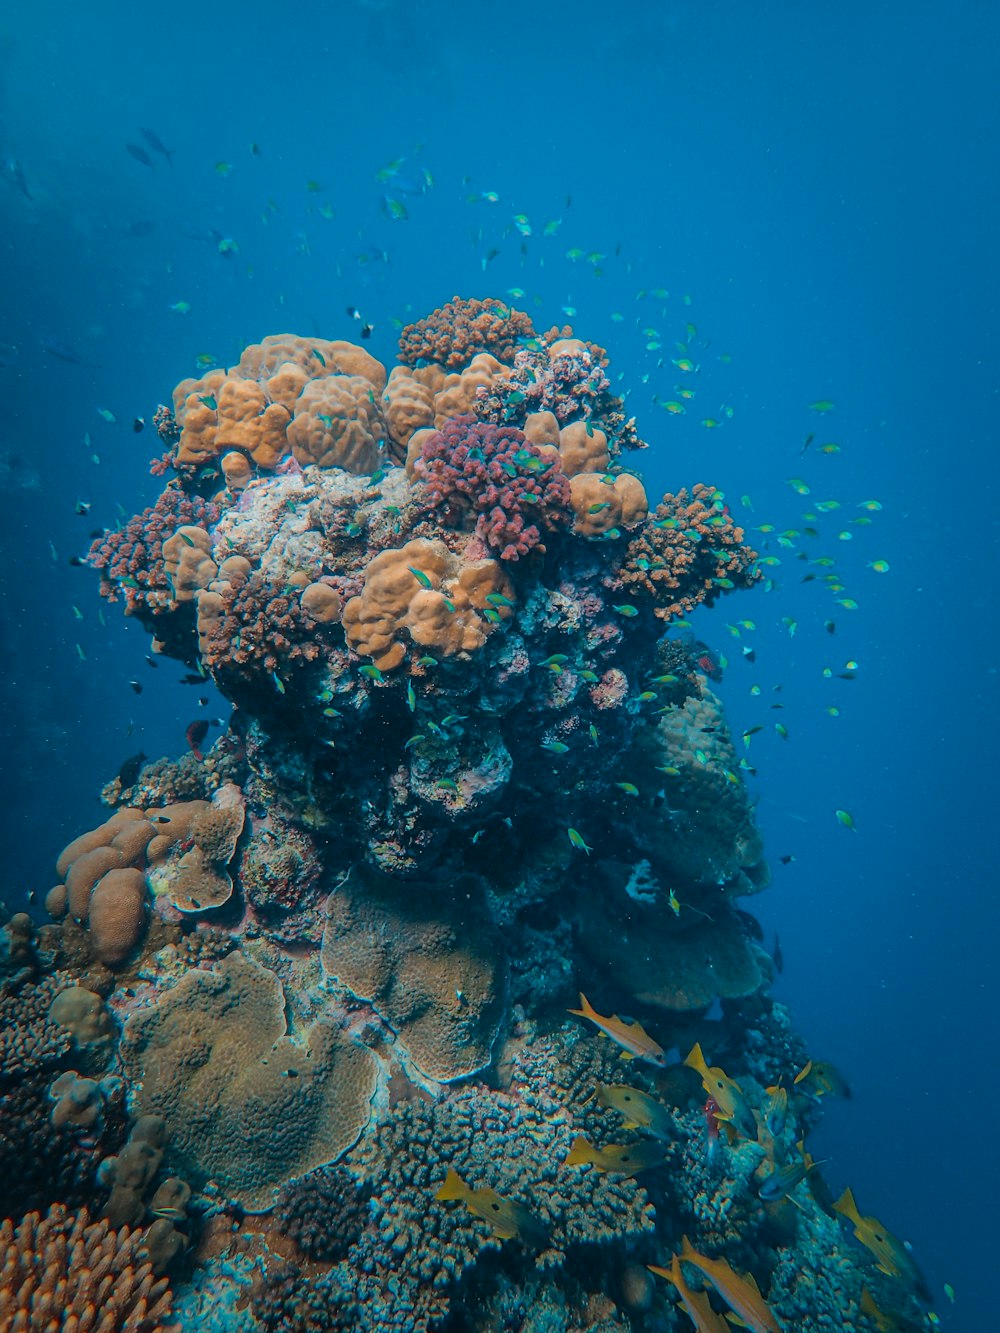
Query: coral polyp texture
{"type": "Point", "coordinates": [299, 1025]}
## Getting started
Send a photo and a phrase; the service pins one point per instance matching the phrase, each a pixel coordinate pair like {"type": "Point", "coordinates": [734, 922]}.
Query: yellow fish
{"type": "Point", "coordinates": [882, 1319]}
{"type": "Point", "coordinates": [890, 1253]}
{"type": "Point", "coordinates": [725, 1092]}
{"type": "Point", "coordinates": [739, 1293]}
{"type": "Point", "coordinates": [507, 1219]}
{"type": "Point", "coordinates": [823, 1077]}
{"type": "Point", "coordinates": [641, 1111]}
{"type": "Point", "coordinates": [634, 1040]}
{"type": "Point", "coordinates": [695, 1303]}
{"type": "Point", "coordinates": [625, 1159]}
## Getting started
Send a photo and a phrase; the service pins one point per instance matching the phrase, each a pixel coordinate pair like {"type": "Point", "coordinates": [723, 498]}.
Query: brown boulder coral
{"type": "Point", "coordinates": [423, 593]}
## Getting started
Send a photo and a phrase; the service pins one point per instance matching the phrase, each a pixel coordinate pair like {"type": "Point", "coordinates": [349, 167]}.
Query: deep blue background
{"type": "Point", "coordinates": [822, 182]}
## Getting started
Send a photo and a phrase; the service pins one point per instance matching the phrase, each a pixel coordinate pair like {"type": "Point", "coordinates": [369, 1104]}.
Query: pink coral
{"type": "Point", "coordinates": [472, 467]}
{"type": "Point", "coordinates": [131, 558]}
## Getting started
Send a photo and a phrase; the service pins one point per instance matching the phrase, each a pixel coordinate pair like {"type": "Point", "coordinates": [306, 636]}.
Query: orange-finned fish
{"type": "Point", "coordinates": [777, 1110]}
{"type": "Point", "coordinates": [695, 1303]}
{"type": "Point", "coordinates": [624, 1159]}
{"type": "Point", "coordinates": [641, 1111]}
{"type": "Point", "coordinates": [725, 1092]}
{"type": "Point", "coordinates": [883, 1320]}
{"type": "Point", "coordinates": [739, 1293]}
{"type": "Point", "coordinates": [823, 1077]}
{"type": "Point", "coordinates": [508, 1220]}
{"type": "Point", "coordinates": [891, 1254]}
{"type": "Point", "coordinates": [634, 1040]}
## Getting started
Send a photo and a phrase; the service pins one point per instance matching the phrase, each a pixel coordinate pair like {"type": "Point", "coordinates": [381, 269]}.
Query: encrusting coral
{"type": "Point", "coordinates": [247, 1104]}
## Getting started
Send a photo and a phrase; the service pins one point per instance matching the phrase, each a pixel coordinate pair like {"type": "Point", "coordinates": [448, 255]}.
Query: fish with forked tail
{"type": "Point", "coordinates": [508, 1219]}
{"type": "Point", "coordinates": [635, 1041]}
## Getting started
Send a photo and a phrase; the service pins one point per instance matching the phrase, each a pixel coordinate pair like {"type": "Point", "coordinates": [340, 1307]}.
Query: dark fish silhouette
{"type": "Point", "coordinates": [195, 734]}
{"type": "Point", "coordinates": [140, 155]}
{"type": "Point", "coordinates": [156, 143]}
{"type": "Point", "coordinates": [11, 170]}
{"type": "Point", "coordinates": [131, 769]}
{"type": "Point", "coordinates": [57, 348]}
{"type": "Point", "coordinates": [141, 228]}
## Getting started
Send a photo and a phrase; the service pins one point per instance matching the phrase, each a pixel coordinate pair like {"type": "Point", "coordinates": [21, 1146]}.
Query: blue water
{"type": "Point", "coordinates": [820, 181]}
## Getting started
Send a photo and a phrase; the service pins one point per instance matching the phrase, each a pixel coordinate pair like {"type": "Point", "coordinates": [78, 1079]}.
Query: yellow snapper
{"type": "Point", "coordinates": [635, 1041]}
{"type": "Point", "coordinates": [624, 1159]}
{"type": "Point", "coordinates": [507, 1219]}
{"type": "Point", "coordinates": [641, 1111]}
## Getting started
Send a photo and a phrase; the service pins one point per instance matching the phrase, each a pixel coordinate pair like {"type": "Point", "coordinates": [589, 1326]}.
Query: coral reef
{"type": "Point", "coordinates": [301, 1011]}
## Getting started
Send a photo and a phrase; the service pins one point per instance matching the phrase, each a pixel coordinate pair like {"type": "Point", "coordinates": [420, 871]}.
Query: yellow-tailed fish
{"type": "Point", "coordinates": [776, 1112]}
{"type": "Point", "coordinates": [641, 1111]}
{"type": "Point", "coordinates": [883, 1320]}
{"type": "Point", "coordinates": [507, 1219]}
{"type": "Point", "coordinates": [725, 1092]}
{"type": "Point", "coordinates": [783, 1179]}
{"type": "Point", "coordinates": [624, 1159]}
{"type": "Point", "coordinates": [891, 1255]}
{"type": "Point", "coordinates": [740, 1293]}
{"type": "Point", "coordinates": [823, 1077]}
{"type": "Point", "coordinates": [695, 1303]}
{"type": "Point", "coordinates": [634, 1040]}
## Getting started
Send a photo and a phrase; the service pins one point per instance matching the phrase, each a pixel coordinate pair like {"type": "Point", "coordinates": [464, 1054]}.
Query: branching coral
{"type": "Point", "coordinates": [492, 477]}
{"type": "Point", "coordinates": [452, 335]}
{"type": "Point", "coordinates": [689, 552]}
{"type": "Point", "coordinates": [131, 559]}
{"type": "Point", "coordinates": [66, 1271]}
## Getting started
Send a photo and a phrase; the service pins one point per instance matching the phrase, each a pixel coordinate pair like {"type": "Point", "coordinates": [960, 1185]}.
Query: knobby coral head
{"type": "Point", "coordinates": [492, 479]}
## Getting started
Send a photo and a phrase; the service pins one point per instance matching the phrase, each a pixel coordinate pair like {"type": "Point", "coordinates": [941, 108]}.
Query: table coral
{"type": "Point", "coordinates": [247, 1104]}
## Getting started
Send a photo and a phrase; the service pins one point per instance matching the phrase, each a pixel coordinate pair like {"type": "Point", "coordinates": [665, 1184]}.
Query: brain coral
{"type": "Point", "coordinates": [65, 1271]}
{"type": "Point", "coordinates": [246, 1104]}
{"type": "Point", "coordinates": [430, 963]}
